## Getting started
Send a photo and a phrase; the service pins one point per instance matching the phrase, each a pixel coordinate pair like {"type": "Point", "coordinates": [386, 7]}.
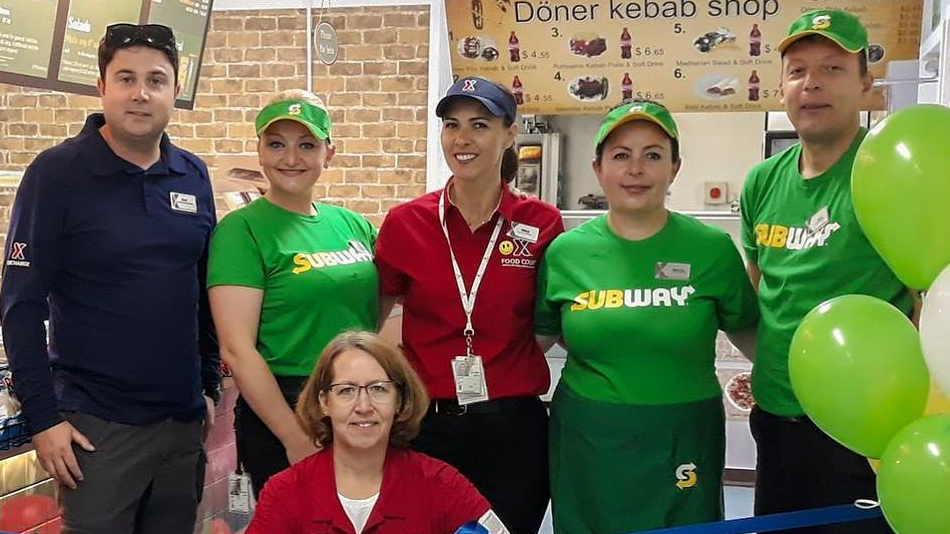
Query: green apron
{"type": "Point", "coordinates": [618, 468]}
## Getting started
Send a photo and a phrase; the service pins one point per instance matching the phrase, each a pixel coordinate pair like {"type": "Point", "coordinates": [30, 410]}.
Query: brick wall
{"type": "Point", "coordinates": [377, 92]}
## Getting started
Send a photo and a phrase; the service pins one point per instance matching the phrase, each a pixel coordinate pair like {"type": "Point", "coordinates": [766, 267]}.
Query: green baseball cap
{"type": "Point", "coordinates": [637, 111]}
{"type": "Point", "coordinates": [315, 118]}
{"type": "Point", "coordinates": [841, 27]}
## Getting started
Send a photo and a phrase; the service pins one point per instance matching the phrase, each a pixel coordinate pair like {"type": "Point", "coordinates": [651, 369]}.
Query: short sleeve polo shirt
{"type": "Point", "coordinates": [414, 262]}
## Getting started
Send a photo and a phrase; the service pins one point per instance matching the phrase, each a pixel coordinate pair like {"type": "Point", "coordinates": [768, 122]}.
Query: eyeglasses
{"type": "Point", "coordinates": [154, 35]}
{"type": "Point", "coordinates": [380, 392]}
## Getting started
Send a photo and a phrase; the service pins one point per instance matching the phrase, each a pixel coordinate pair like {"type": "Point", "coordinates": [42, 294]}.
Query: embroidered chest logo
{"type": "Point", "coordinates": [18, 255]}
{"type": "Point", "coordinates": [515, 253]}
{"type": "Point", "coordinates": [356, 253]}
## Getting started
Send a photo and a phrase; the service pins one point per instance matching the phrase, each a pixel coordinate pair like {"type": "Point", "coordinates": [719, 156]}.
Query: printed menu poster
{"type": "Point", "coordinates": [85, 25]}
{"type": "Point", "coordinates": [568, 57]}
{"type": "Point", "coordinates": [189, 18]}
{"type": "Point", "coordinates": [25, 36]}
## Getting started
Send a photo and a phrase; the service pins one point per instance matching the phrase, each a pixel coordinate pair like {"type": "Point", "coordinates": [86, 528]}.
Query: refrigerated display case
{"type": "Point", "coordinates": [539, 168]}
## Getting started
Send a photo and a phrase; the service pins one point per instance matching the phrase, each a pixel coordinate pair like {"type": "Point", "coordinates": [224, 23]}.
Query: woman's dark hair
{"type": "Point", "coordinates": [509, 165]}
{"type": "Point", "coordinates": [509, 162]}
{"type": "Point", "coordinates": [674, 143]}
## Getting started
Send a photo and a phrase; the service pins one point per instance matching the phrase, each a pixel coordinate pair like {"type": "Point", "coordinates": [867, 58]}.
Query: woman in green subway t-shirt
{"type": "Point", "coordinates": [637, 436]}
{"type": "Point", "coordinates": [285, 276]}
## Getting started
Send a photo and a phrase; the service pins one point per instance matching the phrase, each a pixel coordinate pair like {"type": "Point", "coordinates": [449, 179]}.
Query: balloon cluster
{"type": "Point", "coordinates": [858, 366]}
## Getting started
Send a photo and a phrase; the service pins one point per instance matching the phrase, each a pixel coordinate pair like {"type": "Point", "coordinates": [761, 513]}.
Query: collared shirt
{"type": "Point", "coordinates": [418, 494]}
{"type": "Point", "coordinates": [413, 260]}
{"type": "Point", "coordinates": [114, 256]}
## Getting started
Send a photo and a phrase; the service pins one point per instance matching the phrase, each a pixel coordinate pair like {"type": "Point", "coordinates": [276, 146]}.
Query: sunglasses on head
{"type": "Point", "coordinates": [155, 35]}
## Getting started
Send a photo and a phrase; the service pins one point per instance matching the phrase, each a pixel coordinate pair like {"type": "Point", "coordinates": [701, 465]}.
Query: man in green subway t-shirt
{"type": "Point", "coordinates": [804, 246]}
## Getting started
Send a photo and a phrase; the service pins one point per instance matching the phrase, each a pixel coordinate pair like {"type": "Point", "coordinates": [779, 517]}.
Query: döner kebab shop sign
{"type": "Point", "coordinates": [562, 57]}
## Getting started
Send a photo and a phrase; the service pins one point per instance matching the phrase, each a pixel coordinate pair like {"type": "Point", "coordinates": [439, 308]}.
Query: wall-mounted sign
{"type": "Point", "coordinates": [327, 43]}
{"type": "Point", "coordinates": [564, 57]}
{"type": "Point", "coordinates": [53, 44]}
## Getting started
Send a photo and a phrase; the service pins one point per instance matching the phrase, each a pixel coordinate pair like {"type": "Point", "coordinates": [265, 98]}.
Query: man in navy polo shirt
{"type": "Point", "coordinates": [108, 240]}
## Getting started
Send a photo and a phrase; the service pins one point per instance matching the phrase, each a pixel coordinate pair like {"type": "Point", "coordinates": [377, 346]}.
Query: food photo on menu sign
{"type": "Point", "coordinates": [564, 57]}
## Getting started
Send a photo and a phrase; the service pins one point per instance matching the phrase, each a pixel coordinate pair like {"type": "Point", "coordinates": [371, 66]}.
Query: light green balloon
{"type": "Point", "coordinates": [858, 371]}
{"type": "Point", "coordinates": [913, 483]}
{"type": "Point", "coordinates": [900, 184]}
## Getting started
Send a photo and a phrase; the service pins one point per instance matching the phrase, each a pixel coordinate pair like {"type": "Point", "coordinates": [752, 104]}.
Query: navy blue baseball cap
{"type": "Point", "coordinates": [496, 100]}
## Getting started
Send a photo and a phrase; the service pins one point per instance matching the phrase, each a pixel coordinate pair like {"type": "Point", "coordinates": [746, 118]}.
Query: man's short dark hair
{"type": "Point", "coordinates": [815, 38]}
{"type": "Point", "coordinates": [108, 46]}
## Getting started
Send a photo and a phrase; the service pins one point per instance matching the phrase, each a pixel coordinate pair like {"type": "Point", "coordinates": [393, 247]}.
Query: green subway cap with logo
{"type": "Point", "coordinates": [315, 118]}
{"type": "Point", "coordinates": [841, 27]}
{"type": "Point", "coordinates": [637, 111]}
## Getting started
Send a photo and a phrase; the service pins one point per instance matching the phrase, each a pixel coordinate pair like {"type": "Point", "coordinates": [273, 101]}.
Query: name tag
{"type": "Point", "coordinates": [524, 231]}
{"type": "Point", "coordinates": [672, 271]}
{"type": "Point", "coordinates": [183, 202]}
{"type": "Point", "coordinates": [818, 221]}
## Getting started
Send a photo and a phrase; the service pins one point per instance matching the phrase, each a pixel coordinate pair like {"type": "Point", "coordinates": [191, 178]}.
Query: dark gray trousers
{"type": "Point", "coordinates": [140, 479]}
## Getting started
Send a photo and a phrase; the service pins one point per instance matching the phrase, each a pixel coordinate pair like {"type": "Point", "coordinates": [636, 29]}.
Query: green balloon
{"type": "Point", "coordinates": [900, 184]}
{"type": "Point", "coordinates": [913, 483]}
{"type": "Point", "coordinates": [858, 371]}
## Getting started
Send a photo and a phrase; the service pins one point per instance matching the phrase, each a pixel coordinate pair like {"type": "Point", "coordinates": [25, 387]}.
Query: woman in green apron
{"type": "Point", "coordinates": [637, 296]}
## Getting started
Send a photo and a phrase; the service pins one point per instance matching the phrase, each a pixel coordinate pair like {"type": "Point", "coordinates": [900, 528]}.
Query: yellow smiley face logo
{"type": "Point", "coordinates": [506, 248]}
{"type": "Point", "coordinates": [821, 22]}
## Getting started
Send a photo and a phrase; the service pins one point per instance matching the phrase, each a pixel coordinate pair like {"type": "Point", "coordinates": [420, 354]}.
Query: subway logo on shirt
{"type": "Point", "coordinates": [356, 253]}
{"type": "Point", "coordinates": [596, 299]}
{"type": "Point", "coordinates": [792, 238]}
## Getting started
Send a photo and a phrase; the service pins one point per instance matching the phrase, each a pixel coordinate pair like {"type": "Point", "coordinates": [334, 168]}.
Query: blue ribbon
{"type": "Point", "coordinates": [767, 523]}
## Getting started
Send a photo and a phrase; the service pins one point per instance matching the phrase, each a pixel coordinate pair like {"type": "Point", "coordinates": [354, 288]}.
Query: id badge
{"type": "Point", "coordinates": [239, 494]}
{"type": "Point", "coordinates": [470, 385]}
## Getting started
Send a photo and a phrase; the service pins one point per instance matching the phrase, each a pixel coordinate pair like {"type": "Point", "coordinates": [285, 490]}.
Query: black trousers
{"type": "Point", "coordinates": [259, 451]}
{"type": "Point", "coordinates": [504, 454]}
{"type": "Point", "coordinates": [800, 467]}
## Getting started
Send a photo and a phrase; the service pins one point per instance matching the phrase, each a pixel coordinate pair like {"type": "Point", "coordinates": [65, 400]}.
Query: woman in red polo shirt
{"type": "Point", "coordinates": [361, 406]}
{"type": "Point", "coordinates": [464, 260]}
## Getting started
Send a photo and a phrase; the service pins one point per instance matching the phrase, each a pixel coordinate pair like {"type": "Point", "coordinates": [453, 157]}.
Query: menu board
{"type": "Point", "coordinates": [567, 57]}
{"type": "Point", "coordinates": [86, 22]}
{"type": "Point", "coordinates": [26, 36]}
{"type": "Point", "coordinates": [53, 44]}
{"type": "Point", "coordinates": [189, 18]}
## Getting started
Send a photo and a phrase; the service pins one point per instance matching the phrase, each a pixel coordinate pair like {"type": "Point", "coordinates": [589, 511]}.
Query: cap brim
{"type": "Point", "coordinates": [492, 107]}
{"type": "Point", "coordinates": [788, 41]}
{"type": "Point", "coordinates": [639, 116]}
{"type": "Point", "coordinates": [317, 132]}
